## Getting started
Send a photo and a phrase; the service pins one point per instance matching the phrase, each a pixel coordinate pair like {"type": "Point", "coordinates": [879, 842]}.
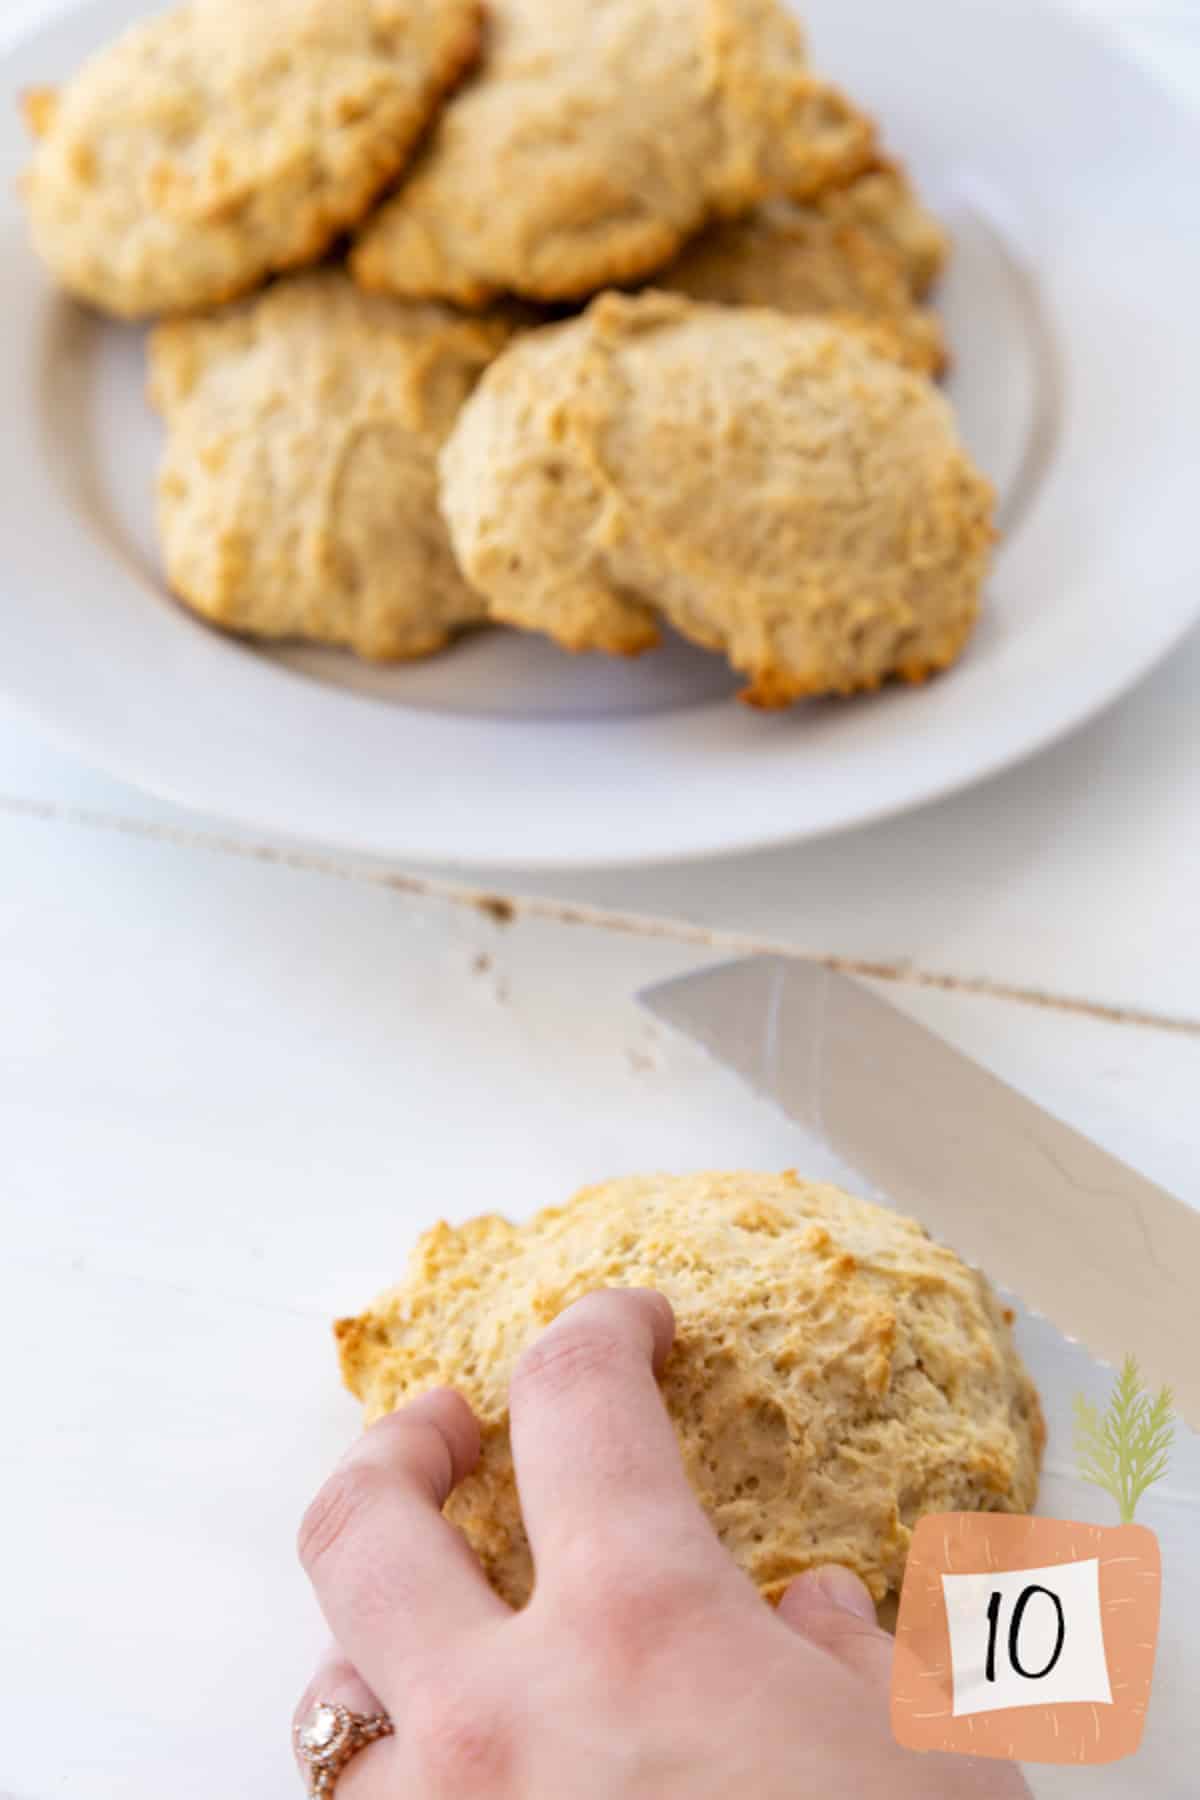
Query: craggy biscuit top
{"type": "Point", "coordinates": [835, 1373]}
{"type": "Point", "coordinates": [799, 259]}
{"type": "Point", "coordinates": [777, 488]}
{"type": "Point", "coordinates": [298, 495]}
{"type": "Point", "coordinates": [597, 136]}
{"type": "Point", "coordinates": [883, 203]}
{"type": "Point", "coordinates": [227, 139]}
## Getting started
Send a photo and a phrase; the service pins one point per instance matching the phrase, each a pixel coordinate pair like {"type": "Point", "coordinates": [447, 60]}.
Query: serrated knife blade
{"type": "Point", "coordinates": [1108, 1257]}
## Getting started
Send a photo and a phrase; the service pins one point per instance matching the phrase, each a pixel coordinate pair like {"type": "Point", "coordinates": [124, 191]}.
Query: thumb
{"type": "Point", "coordinates": [834, 1610]}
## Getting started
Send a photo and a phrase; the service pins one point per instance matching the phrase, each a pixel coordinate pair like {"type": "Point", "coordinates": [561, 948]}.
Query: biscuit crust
{"type": "Point", "coordinates": [597, 137]}
{"type": "Point", "coordinates": [802, 260]}
{"type": "Point", "coordinates": [298, 493]}
{"type": "Point", "coordinates": [779, 489]}
{"type": "Point", "coordinates": [883, 203]}
{"type": "Point", "coordinates": [835, 1376]}
{"type": "Point", "coordinates": [228, 140]}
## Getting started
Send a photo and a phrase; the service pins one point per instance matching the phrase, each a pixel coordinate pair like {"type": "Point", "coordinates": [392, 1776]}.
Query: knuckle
{"type": "Point", "coordinates": [856, 1638]}
{"type": "Point", "coordinates": [426, 1457]}
{"type": "Point", "coordinates": [461, 1741]}
{"type": "Point", "coordinates": [565, 1359]}
{"type": "Point", "coordinates": [843, 1636]}
{"type": "Point", "coordinates": [636, 1614]}
{"type": "Point", "coordinates": [335, 1513]}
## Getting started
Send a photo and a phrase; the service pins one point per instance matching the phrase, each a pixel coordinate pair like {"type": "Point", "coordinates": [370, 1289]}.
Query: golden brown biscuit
{"type": "Point", "coordinates": [835, 1376]}
{"type": "Point", "coordinates": [228, 139]}
{"type": "Point", "coordinates": [883, 203]}
{"type": "Point", "coordinates": [775, 487]}
{"type": "Point", "coordinates": [597, 137]}
{"type": "Point", "coordinates": [798, 260]}
{"type": "Point", "coordinates": [298, 495]}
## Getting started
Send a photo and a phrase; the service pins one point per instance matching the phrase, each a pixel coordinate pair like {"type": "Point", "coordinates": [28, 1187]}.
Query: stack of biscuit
{"type": "Point", "coordinates": [585, 317]}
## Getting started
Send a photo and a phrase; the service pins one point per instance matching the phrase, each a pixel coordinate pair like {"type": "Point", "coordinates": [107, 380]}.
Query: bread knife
{"type": "Point", "coordinates": [1110, 1259]}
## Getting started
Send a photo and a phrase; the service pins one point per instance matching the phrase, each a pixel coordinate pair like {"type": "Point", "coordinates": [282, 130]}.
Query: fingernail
{"type": "Point", "coordinates": [842, 1589]}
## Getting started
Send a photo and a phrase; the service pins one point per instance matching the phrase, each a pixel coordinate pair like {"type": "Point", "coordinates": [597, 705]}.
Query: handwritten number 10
{"type": "Point", "coordinates": [1014, 1633]}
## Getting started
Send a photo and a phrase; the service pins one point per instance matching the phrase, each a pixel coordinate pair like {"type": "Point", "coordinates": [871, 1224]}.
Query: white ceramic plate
{"type": "Point", "coordinates": [1070, 180]}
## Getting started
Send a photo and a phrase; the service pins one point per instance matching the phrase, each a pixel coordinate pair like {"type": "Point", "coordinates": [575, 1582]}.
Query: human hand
{"type": "Point", "coordinates": [646, 1666]}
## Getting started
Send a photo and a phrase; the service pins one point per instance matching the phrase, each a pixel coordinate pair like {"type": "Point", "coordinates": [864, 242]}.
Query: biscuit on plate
{"type": "Point", "coordinates": [778, 488]}
{"type": "Point", "coordinates": [835, 1375]}
{"type": "Point", "coordinates": [597, 136]}
{"type": "Point", "coordinates": [799, 259]}
{"type": "Point", "coordinates": [298, 493]}
{"type": "Point", "coordinates": [229, 139]}
{"type": "Point", "coordinates": [884, 203]}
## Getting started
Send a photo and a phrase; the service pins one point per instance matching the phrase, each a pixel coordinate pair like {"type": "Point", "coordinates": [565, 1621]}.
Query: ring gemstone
{"type": "Point", "coordinates": [330, 1737]}
{"type": "Point", "coordinates": [321, 1731]}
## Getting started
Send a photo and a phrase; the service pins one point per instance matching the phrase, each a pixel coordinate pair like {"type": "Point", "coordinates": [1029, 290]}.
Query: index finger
{"type": "Point", "coordinates": [392, 1576]}
{"type": "Point", "coordinates": [598, 1467]}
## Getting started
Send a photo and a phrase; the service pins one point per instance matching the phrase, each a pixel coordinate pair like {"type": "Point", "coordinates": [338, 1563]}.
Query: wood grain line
{"type": "Point", "coordinates": [505, 909]}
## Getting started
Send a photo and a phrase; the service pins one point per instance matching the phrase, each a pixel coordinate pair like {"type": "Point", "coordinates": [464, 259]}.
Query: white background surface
{"type": "Point", "coordinates": [231, 1089]}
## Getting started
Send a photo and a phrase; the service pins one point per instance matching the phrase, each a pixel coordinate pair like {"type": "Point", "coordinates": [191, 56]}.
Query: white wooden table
{"type": "Point", "coordinates": [233, 1086]}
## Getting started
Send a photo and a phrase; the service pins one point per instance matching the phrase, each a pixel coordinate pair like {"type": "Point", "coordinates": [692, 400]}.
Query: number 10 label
{"type": "Point", "coordinates": [1031, 1639]}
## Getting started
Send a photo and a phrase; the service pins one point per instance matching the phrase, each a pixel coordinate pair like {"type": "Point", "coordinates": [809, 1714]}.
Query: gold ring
{"type": "Point", "coordinates": [329, 1737]}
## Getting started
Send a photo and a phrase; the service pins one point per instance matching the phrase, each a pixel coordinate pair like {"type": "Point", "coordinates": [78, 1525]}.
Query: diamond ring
{"type": "Point", "coordinates": [329, 1737]}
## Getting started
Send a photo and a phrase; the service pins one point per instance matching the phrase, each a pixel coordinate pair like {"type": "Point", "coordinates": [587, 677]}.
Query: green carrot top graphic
{"type": "Point", "coordinates": [1125, 1450]}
